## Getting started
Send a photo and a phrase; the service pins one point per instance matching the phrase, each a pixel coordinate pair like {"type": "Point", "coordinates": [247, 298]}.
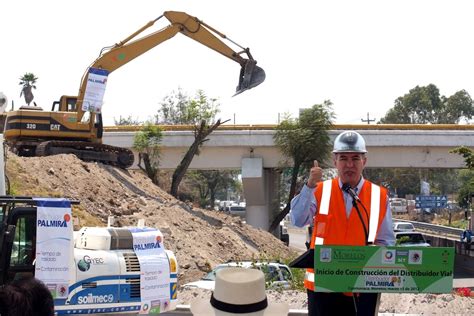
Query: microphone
{"type": "Point", "coordinates": [347, 188]}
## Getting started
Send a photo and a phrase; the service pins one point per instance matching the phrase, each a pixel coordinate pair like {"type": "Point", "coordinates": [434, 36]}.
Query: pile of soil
{"type": "Point", "coordinates": [200, 238]}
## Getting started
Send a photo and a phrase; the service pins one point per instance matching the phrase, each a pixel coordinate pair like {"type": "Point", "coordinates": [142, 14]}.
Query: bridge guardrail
{"type": "Point", "coordinates": [134, 128]}
{"type": "Point", "coordinates": [438, 229]}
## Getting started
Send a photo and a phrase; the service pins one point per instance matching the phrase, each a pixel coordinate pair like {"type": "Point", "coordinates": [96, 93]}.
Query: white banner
{"type": "Point", "coordinates": [54, 245]}
{"type": "Point", "coordinates": [154, 270]}
{"type": "Point", "coordinates": [95, 90]}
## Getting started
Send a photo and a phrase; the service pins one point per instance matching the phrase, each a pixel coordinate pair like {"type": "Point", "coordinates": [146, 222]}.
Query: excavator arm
{"type": "Point", "coordinates": [77, 126]}
{"type": "Point", "coordinates": [118, 55]}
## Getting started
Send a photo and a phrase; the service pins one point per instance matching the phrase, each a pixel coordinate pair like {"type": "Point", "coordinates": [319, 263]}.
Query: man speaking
{"type": "Point", "coordinates": [345, 211]}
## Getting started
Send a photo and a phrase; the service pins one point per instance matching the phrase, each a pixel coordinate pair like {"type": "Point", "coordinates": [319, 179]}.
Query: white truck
{"type": "Point", "coordinates": [105, 271]}
{"type": "Point", "coordinates": [398, 206]}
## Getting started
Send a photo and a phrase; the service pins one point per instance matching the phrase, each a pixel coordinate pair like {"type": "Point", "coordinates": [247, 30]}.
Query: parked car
{"type": "Point", "coordinates": [237, 210]}
{"type": "Point", "coordinates": [403, 227]}
{"type": "Point", "coordinates": [410, 239]}
{"type": "Point", "coordinates": [277, 275]}
{"type": "Point", "coordinates": [223, 205]}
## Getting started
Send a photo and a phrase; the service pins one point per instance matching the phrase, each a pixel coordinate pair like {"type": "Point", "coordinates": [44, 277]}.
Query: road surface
{"type": "Point", "coordinates": [297, 238]}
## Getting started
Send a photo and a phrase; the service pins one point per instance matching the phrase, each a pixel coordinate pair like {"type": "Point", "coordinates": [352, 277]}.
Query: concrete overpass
{"type": "Point", "coordinates": [412, 146]}
{"type": "Point", "coordinates": [252, 149]}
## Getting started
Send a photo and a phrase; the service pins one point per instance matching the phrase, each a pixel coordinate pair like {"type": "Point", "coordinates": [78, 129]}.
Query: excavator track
{"type": "Point", "coordinates": [112, 155]}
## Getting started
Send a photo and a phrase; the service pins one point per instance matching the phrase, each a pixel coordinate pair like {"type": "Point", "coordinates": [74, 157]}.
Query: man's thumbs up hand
{"type": "Point", "coordinates": [315, 175]}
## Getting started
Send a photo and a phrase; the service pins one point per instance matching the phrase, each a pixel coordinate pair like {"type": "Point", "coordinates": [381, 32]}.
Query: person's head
{"type": "Point", "coordinates": [349, 156]}
{"type": "Point", "coordinates": [25, 297]}
{"type": "Point", "coordinates": [238, 291]}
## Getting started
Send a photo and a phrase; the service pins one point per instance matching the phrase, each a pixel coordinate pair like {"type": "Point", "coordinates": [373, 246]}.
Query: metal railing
{"type": "Point", "coordinates": [435, 229]}
{"type": "Point", "coordinates": [122, 128]}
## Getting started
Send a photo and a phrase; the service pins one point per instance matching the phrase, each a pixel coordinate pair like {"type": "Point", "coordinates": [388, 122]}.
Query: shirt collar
{"type": "Point", "coordinates": [358, 188]}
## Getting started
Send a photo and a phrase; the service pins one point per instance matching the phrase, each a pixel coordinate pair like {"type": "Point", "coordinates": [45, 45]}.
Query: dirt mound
{"type": "Point", "coordinates": [199, 238]}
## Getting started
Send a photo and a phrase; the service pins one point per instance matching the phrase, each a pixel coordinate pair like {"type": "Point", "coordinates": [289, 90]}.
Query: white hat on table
{"type": "Point", "coordinates": [238, 291]}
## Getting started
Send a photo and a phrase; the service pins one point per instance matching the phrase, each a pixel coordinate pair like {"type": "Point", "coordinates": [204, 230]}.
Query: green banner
{"type": "Point", "coordinates": [383, 269]}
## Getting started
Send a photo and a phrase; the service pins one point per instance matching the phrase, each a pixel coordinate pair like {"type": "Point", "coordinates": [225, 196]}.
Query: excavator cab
{"type": "Point", "coordinates": [250, 76]}
{"type": "Point", "coordinates": [65, 104]}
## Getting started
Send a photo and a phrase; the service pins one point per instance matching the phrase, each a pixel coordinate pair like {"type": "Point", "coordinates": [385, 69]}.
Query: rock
{"type": "Point", "coordinates": [186, 266]}
{"type": "Point", "coordinates": [85, 167]}
{"type": "Point", "coordinates": [126, 211]}
{"type": "Point", "coordinates": [204, 266]}
{"type": "Point", "coordinates": [142, 201]}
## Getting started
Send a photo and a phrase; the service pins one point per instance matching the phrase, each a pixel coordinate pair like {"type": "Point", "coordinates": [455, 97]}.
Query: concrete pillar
{"type": "Point", "coordinates": [253, 180]}
{"type": "Point", "coordinates": [260, 191]}
{"type": "Point", "coordinates": [257, 216]}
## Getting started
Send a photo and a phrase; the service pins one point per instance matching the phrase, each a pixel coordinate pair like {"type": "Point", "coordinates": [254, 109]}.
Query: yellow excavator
{"type": "Point", "coordinates": [74, 124]}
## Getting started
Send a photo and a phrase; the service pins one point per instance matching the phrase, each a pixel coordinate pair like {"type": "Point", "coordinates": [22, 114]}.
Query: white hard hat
{"type": "Point", "coordinates": [349, 142]}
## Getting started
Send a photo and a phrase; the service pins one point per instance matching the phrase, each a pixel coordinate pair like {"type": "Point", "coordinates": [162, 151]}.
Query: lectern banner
{"type": "Point", "coordinates": [383, 269]}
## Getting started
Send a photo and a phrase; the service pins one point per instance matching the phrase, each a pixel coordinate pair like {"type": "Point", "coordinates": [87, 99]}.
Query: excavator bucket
{"type": "Point", "coordinates": [250, 76]}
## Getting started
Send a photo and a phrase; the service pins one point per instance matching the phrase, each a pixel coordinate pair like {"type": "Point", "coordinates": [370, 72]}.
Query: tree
{"type": "Point", "coordinates": [146, 142]}
{"type": "Point", "coordinates": [127, 121]}
{"type": "Point", "coordinates": [466, 191]}
{"type": "Point", "coordinates": [229, 183]}
{"type": "Point", "coordinates": [200, 185]}
{"type": "Point", "coordinates": [403, 181]}
{"type": "Point", "coordinates": [400, 181]}
{"type": "Point", "coordinates": [467, 154]}
{"type": "Point", "coordinates": [304, 140]}
{"type": "Point", "coordinates": [28, 81]}
{"type": "Point", "coordinates": [444, 181]}
{"type": "Point", "coordinates": [424, 105]}
{"type": "Point", "coordinates": [200, 112]}
{"type": "Point", "coordinates": [209, 182]}
{"type": "Point", "coordinates": [201, 132]}
{"type": "Point", "coordinates": [457, 107]}
{"type": "Point", "coordinates": [3, 100]}
{"type": "Point", "coordinates": [178, 108]}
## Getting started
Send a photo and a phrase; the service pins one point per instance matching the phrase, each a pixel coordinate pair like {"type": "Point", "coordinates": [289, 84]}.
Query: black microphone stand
{"type": "Point", "coordinates": [347, 188]}
{"type": "Point", "coordinates": [354, 203]}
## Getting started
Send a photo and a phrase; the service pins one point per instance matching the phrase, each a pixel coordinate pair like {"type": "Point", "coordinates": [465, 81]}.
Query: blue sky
{"type": "Point", "coordinates": [361, 55]}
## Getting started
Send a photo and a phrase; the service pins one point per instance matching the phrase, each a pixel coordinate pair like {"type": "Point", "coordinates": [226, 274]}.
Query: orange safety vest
{"type": "Point", "coordinates": [331, 225]}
